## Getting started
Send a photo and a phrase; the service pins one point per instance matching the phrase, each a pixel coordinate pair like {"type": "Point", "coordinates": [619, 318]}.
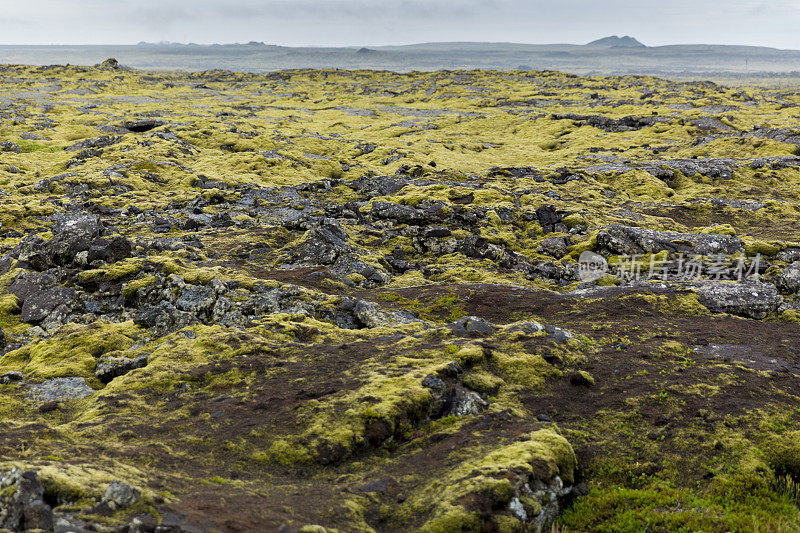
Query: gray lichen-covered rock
{"type": "Point", "coordinates": [163, 318]}
{"type": "Point", "coordinates": [322, 244]}
{"type": "Point", "coordinates": [554, 247]}
{"type": "Point", "coordinates": [399, 213]}
{"type": "Point", "coordinates": [373, 316]}
{"type": "Point", "coordinates": [21, 505]}
{"type": "Point", "coordinates": [60, 389]}
{"type": "Point", "coordinates": [618, 239]}
{"type": "Point", "coordinates": [8, 146]}
{"type": "Point", "coordinates": [471, 326]}
{"type": "Point", "coordinates": [196, 299]}
{"type": "Point", "coordinates": [789, 280]}
{"type": "Point", "coordinates": [119, 495]}
{"type": "Point", "coordinates": [752, 299]}
{"type": "Point", "coordinates": [40, 304]}
{"type": "Point", "coordinates": [465, 402]}
{"type": "Point", "coordinates": [109, 368]}
{"type": "Point", "coordinates": [11, 377]}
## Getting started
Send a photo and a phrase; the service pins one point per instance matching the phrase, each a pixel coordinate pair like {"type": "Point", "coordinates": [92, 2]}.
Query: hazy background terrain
{"type": "Point", "coordinates": [746, 38]}
{"type": "Point", "coordinates": [676, 60]}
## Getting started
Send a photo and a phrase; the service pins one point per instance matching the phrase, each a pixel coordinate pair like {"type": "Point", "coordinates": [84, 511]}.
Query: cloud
{"type": "Point", "coordinates": [374, 22]}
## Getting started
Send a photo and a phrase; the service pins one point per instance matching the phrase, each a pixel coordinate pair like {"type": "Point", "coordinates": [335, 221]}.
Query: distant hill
{"type": "Point", "coordinates": [611, 55]}
{"type": "Point", "coordinates": [617, 42]}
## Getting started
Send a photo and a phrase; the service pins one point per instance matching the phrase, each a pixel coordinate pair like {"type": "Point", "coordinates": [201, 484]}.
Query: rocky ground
{"type": "Point", "coordinates": [348, 300]}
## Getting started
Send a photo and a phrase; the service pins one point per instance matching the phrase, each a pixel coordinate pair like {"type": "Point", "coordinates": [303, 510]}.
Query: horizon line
{"type": "Point", "coordinates": [394, 45]}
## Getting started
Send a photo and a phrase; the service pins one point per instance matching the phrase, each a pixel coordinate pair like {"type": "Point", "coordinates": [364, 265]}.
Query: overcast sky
{"type": "Point", "coordinates": [375, 22]}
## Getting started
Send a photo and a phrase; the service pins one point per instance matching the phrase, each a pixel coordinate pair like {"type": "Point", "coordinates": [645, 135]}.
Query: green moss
{"type": "Point", "coordinates": [114, 272]}
{"type": "Point", "coordinates": [783, 454]}
{"type": "Point", "coordinates": [470, 355]}
{"type": "Point", "coordinates": [720, 229]}
{"type": "Point", "coordinates": [740, 503]}
{"type": "Point", "coordinates": [130, 289]}
{"type": "Point", "coordinates": [491, 478]}
{"type": "Point", "coordinates": [30, 147]}
{"type": "Point", "coordinates": [483, 382]}
{"type": "Point", "coordinates": [73, 351]}
{"type": "Point", "coordinates": [762, 248]}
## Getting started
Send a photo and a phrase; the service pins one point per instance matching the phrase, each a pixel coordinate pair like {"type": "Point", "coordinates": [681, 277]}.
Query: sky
{"type": "Point", "coordinates": [383, 22]}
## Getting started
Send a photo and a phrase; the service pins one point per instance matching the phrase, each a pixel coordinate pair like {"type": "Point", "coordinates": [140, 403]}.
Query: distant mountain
{"type": "Point", "coordinates": [617, 42]}
{"type": "Point", "coordinates": [612, 55]}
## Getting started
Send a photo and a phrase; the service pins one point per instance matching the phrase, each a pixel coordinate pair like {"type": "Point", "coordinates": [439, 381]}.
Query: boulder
{"type": "Point", "coordinates": [142, 125]}
{"type": "Point", "coordinates": [109, 368]}
{"type": "Point", "coordinates": [196, 299]}
{"type": "Point", "coordinates": [348, 264]}
{"type": "Point", "coordinates": [751, 299]}
{"type": "Point", "coordinates": [78, 224]}
{"type": "Point", "coordinates": [72, 234]}
{"type": "Point", "coordinates": [554, 247]}
{"type": "Point", "coordinates": [548, 217]}
{"type": "Point", "coordinates": [373, 316]}
{"type": "Point", "coordinates": [625, 240]}
{"type": "Point", "coordinates": [322, 244]}
{"type": "Point", "coordinates": [119, 495]}
{"type": "Point", "coordinates": [29, 283]}
{"type": "Point", "coordinates": [399, 213]}
{"type": "Point", "coordinates": [163, 318]}
{"type": "Point", "coordinates": [527, 328]}
{"type": "Point", "coordinates": [56, 389]}
{"type": "Point", "coordinates": [99, 142]}
{"type": "Point", "coordinates": [465, 402]}
{"type": "Point", "coordinates": [109, 250]}
{"type": "Point", "coordinates": [789, 280]}
{"type": "Point", "coordinates": [558, 334]}
{"type": "Point", "coordinates": [40, 304]}
{"type": "Point", "coordinates": [471, 326]}
{"type": "Point", "coordinates": [22, 507]}
{"type": "Point", "coordinates": [8, 146]}
{"type": "Point", "coordinates": [11, 377]}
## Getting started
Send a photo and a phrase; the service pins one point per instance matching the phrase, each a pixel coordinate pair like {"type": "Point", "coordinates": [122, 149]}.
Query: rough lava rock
{"type": "Point", "coordinates": [789, 280]}
{"type": "Point", "coordinates": [750, 299]}
{"type": "Point", "coordinates": [120, 495]}
{"type": "Point", "coordinates": [109, 368]}
{"type": "Point", "coordinates": [471, 326]}
{"type": "Point", "coordinates": [618, 239]}
{"type": "Point", "coordinates": [22, 507]}
{"type": "Point", "coordinates": [56, 389]}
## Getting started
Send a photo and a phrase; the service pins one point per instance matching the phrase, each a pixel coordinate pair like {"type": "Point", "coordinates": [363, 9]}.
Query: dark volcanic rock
{"type": "Point", "coordinates": [109, 250]}
{"type": "Point", "coordinates": [548, 217]}
{"type": "Point", "coordinates": [143, 125]}
{"type": "Point", "coordinates": [629, 123]}
{"type": "Point", "coordinates": [163, 318]}
{"type": "Point", "coordinates": [109, 368]}
{"type": "Point", "coordinates": [11, 377]}
{"type": "Point", "coordinates": [7, 146]}
{"type": "Point", "coordinates": [99, 142]}
{"type": "Point", "coordinates": [399, 213]}
{"type": "Point", "coordinates": [789, 280]}
{"type": "Point", "coordinates": [554, 247]}
{"type": "Point", "coordinates": [471, 326]}
{"type": "Point", "coordinates": [38, 305]}
{"type": "Point", "coordinates": [322, 244]}
{"type": "Point", "coordinates": [22, 507]}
